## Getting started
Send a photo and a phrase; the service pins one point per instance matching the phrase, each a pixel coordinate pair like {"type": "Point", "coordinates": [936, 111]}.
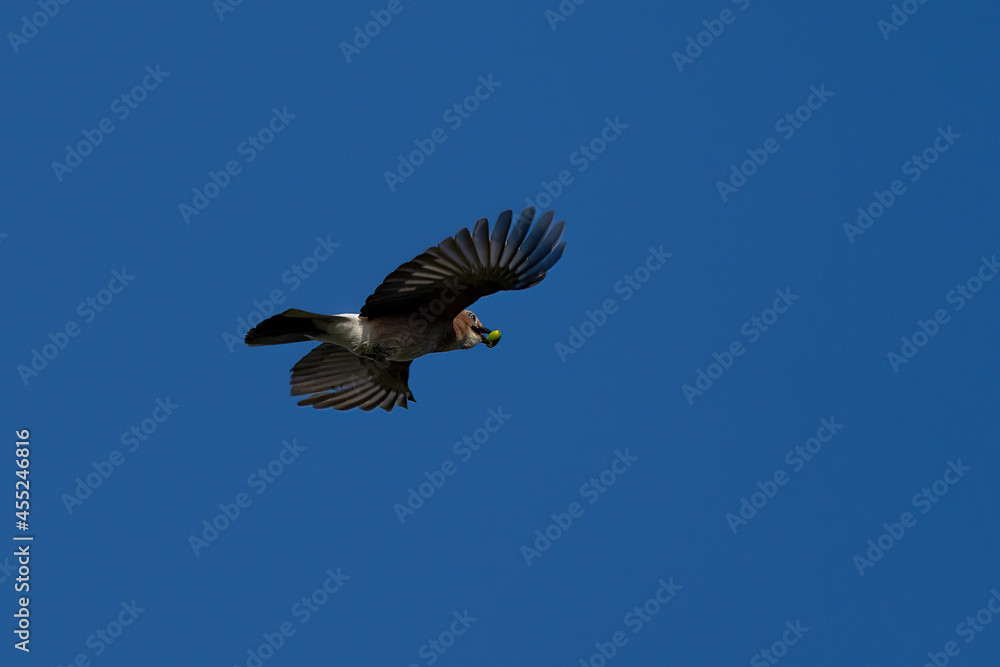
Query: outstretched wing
{"type": "Point", "coordinates": [339, 379]}
{"type": "Point", "coordinates": [450, 277]}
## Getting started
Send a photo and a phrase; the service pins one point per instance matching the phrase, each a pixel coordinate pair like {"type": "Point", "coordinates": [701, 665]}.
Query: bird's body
{"type": "Point", "coordinates": [420, 308]}
{"type": "Point", "coordinates": [390, 338]}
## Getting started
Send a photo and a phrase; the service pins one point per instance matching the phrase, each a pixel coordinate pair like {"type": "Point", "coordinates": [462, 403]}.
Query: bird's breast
{"type": "Point", "coordinates": [403, 339]}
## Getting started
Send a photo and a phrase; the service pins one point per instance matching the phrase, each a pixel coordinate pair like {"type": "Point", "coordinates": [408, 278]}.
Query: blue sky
{"type": "Point", "coordinates": [749, 417]}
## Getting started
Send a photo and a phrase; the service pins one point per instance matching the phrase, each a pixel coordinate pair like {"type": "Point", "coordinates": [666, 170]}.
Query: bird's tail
{"type": "Point", "coordinates": [291, 326]}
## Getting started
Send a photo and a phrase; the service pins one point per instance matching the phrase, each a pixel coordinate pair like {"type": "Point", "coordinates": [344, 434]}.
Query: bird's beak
{"type": "Point", "coordinates": [485, 333]}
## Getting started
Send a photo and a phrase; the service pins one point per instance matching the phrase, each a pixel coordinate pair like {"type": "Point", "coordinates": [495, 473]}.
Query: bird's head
{"type": "Point", "coordinates": [476, 332]}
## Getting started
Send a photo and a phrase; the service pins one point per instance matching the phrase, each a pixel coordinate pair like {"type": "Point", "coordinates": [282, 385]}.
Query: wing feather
{"type": "Point", "coordinates": [337, 378]}
{"type": "Point", "coordinates": [471, 265]}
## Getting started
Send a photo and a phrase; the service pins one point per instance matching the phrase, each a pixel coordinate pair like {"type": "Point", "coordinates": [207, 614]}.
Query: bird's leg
{"type": "Point", "coordinates": [380, 354]}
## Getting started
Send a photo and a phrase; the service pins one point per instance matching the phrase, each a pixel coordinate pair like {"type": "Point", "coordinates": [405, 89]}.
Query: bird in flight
{"type": "Point", "coordinates": [363, 360]}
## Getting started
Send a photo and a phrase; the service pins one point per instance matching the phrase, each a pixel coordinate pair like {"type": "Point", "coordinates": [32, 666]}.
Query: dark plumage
{"type": "Point", "coordinates": [420, 308]}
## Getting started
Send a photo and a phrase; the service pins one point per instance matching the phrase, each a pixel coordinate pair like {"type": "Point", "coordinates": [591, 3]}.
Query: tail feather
{"type": "Point", "coordinates": [291, 326]}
